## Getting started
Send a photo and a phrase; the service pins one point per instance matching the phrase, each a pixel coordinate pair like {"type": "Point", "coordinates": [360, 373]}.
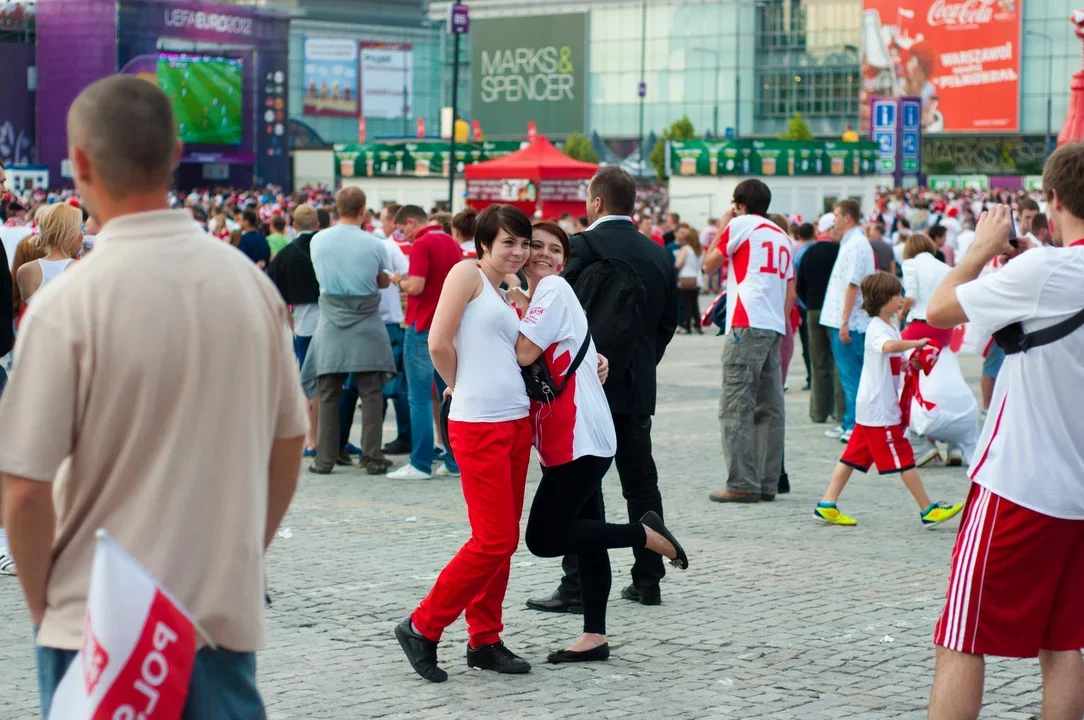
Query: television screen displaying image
{"type": "Point", "coordinates": [206, 92]}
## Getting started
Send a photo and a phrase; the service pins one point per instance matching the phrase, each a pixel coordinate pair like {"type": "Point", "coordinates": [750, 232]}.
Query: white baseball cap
{"type": "Point", "coordinates": [826, 223]}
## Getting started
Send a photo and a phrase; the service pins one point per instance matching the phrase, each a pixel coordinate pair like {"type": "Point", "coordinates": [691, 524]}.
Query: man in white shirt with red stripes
{"type": "Point", "coordinates": [1017, 583]}
{"type": "Point", "coordinates": [760, 295]}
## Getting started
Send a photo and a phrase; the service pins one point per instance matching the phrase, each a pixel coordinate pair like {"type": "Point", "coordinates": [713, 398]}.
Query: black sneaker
{"type": "Point", "coordinates": [398, 446]}
{"type": "Point", "coordinates": [497, 657]}
{"type": "Point", "coordinates": [420, 652]}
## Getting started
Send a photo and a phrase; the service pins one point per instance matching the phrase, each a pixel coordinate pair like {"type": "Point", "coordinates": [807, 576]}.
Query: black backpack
{"type": "Point", "coordinates": [614, 298]}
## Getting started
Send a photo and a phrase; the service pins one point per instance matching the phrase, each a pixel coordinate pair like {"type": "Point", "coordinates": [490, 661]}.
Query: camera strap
{"type": "Point", "coordinates": [1012, 338]}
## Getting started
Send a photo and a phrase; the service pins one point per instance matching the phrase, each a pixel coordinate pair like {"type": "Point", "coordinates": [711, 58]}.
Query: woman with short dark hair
{"type": "Point", "coordinates": [472, 343]}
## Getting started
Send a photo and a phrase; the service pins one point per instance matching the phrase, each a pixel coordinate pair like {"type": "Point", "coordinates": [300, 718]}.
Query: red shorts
{"type": "Point", "coordinates": [887, 447]}
{"type": "Point", "coordinates": [1017, 582]}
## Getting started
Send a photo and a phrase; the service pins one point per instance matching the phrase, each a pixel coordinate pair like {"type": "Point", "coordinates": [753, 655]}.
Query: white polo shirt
{"type": "Point", "coordinates": [1031, 450]}
{"type": "Point", "coordinates": [855, 261]}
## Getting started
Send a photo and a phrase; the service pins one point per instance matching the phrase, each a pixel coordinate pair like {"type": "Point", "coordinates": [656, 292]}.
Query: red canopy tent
{"type": "Point", "coordinates": [538, 177]}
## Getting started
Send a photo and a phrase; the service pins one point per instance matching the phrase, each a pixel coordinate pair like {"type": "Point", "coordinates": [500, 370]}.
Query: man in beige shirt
{"type": "Point", "coordinates": [157, 397]}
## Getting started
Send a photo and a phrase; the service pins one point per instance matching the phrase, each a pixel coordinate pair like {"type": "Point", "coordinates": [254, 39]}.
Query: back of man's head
{"type": "Point", "coordinates": [323, 218]}
{"type": "Point", "coordinates": [806, 231]}
{"type": "Point", "coordinates": [411, 212]}
{"type": "Point", "coordinates": [251, 219]}
{"type": "Point", "coordinates": [350, 202]}
{"type": "Point", "coordinates": [123, 138]}
{"type": "Point", "coordinates": [305, 219]}
{"type": "Point", "coordinates": [616, 188]}
{"type": "Point", "coordinates": [1063, 187]}
{"type": "Point", "coordinates": [754, 195]}
{"type": "Point", "coordinates": [278, 224]}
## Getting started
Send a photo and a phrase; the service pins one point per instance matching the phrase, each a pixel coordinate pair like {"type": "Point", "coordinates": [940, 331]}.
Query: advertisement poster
{"type": "Point", "coordinates": [387, 80]}
{"type": "Point", "coordinates": [772, 157]}
{"type": "Point", "coordinates": [330, 77]}
{"type": "Point", "coordinates": [529, 70]}
{"type": "Point", "coordinates": [418, 159]}
{"type": "Point", "coordinates": [961, 57]}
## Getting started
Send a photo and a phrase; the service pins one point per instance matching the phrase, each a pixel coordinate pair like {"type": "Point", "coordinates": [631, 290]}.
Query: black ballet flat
{"type": "Point", "coordinates": [602, 652]}
{"type": "Point", "coordinates": [653, 521]}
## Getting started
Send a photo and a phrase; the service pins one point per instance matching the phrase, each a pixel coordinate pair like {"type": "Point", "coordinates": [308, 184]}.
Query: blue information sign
{"type": "Point", "coordinates": [909, 142]}
{"type": "Point", "coordinates": [910, 115]}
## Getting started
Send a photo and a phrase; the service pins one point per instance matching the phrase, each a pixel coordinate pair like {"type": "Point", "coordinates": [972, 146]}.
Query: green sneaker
{"type": "Point", "coordinates": [829, 513]}
{"type": "Point", "coordinates": [939, 512]}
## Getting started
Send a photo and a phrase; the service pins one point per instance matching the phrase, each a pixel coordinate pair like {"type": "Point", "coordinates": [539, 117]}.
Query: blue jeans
{"type": "Point", "coordinates": [223, 683]}
{"type": "Point", "coordinates": [420, 377]}
{"type": "Point", "coordinates": [396, 389]}
{"type": "Point", "coordinates": [849, 366]}
{"type": "Point", "coordinates": [301, 347]}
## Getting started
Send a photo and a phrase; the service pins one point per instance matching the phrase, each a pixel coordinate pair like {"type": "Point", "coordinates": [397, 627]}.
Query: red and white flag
{"type": "Point", "coordinates": [139, 646]}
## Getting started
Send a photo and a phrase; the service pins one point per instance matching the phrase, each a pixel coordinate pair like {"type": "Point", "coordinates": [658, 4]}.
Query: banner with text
{"type": "Point", "coordinates": [420, 159]}
{"type": "Point", "coordinates": [772, 157]}
{"type": "Point", "coordinates": [330, 77]}
{"type": "Point", "coordinates": [961, 57]}
{"type": "Point", "coordinates": [387, 80]}
{"type": "Point", "coordinates": [529, 69]}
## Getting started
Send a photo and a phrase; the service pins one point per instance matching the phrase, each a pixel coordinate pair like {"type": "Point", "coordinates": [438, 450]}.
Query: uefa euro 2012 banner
{"type": "Point", "coordinates": [418, 159]}
{"type": "Point", "coordinates": [771, 157]}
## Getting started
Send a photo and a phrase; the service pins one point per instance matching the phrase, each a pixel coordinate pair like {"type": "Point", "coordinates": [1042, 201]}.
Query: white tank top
{"type": "Point", "coordinates": [51, 269]}
{"type": "Point", "coordinates": [488, 383]}
{"type": "Point", "coordinates": [691, 267]}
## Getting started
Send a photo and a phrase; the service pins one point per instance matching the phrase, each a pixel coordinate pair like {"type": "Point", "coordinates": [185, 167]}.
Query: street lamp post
{"type": "Point", "coordinates": [718, 72]}
{"type": "Point", "coordinates": [458, 24]}
{"type": "Point", "coordinates": [1049, 85]}
{"type": "Point", "coordinates": [643, 81]}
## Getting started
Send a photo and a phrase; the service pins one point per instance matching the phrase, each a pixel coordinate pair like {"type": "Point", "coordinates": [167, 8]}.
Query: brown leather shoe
{"type": "Point", "coordinates": [726, 496]}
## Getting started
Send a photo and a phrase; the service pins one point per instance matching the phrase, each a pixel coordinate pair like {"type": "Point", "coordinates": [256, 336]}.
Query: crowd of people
{"type": "Point", "coordinates": [489, 334]}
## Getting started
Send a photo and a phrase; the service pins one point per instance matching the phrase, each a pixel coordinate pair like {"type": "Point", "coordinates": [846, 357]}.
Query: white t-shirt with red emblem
{"type": "Point", "coordinates": [878, 401]}
{"type": "Point", "coordinates": [1031, 450]}
{"type": "Point", "coordinates": [761, 263]}
{"type": "Point", "coordinates": [578, 422]}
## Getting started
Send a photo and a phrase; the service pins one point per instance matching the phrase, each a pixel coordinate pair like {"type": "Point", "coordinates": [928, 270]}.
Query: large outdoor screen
{"type": "Point", "coordinates": [207, 96]}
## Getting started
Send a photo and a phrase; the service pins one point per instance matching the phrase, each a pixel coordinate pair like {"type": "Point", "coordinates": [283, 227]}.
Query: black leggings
{"type": "Point", "coordinates": [691, 306]}
{"type": "Point", "coordinates": [566, 517]}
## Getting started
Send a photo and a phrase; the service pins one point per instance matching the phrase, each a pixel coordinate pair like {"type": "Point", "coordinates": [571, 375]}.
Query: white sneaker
{"type": "Point", "coordinates": [443, 471]}
{"type": "Point", "coordinates": [926, 454]}
{"type": "Point", "coordinates": [845, 437]}
{"type": "Point", "coordinates": [409, 472]}
{"type": "Point", "coordinates": [7, 564]}
{"type": "Point", "coordinates": [834, 433]}
{"type": "Point", "coordinates": [955, 456]}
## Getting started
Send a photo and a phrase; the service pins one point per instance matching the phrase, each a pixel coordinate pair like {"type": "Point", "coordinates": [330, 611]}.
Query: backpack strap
{"type": "Point", "coordinates": [1056, 332]}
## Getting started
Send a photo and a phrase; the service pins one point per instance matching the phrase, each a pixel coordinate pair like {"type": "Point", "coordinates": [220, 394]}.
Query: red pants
{"type": "Point", "coordinates": [493, 460]}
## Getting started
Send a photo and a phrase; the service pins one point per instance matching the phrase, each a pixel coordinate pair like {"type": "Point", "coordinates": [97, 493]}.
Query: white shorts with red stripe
{"type": "Point", "coordinates": [1017, 582]}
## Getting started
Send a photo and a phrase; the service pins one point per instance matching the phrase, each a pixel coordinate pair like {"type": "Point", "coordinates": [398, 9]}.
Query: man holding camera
{"type": "Point", "coordinates": [1017, 582]}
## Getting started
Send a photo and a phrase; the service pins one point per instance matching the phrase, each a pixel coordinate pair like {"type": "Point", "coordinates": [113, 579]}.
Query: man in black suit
{"type": "Point", "coordinates": [611, 198]}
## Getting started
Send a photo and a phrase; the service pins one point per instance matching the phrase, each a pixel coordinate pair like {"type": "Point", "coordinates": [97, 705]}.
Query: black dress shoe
{"type": "Point", "coordinates": [498, 658]}
{"type": "Point", "coordinates": [644, 596]}
{"type": "Point", "coordinates": [652, 520]}
{"type": "Point", "coordinates": [558, 602]}
{"type": "Point", "coordinates": [602, 652]}
{"type": "Point", "coordinates": [398, 446]}
{"type": "Point", "coordinates": [421, 652]}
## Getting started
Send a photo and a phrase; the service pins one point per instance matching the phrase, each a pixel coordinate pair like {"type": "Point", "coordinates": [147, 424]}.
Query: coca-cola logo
{"type": "Point", "coordinates": [968, 12]}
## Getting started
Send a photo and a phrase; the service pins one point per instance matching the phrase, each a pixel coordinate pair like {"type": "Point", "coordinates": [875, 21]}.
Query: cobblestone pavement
{"type": "Point", "coordinates": [778, 616]}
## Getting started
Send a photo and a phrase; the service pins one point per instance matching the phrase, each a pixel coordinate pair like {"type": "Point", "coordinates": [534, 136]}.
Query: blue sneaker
{"type": "Point", "coordinates": [352, 449]}
{"type": "Point", "coordinates": [310, 452]}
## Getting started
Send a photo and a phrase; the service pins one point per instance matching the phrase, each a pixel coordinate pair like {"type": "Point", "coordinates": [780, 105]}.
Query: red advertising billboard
{"type": "Point", "coordinates": [962, 57]}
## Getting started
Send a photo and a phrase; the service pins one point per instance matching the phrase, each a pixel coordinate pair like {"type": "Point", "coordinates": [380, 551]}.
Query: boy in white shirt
{"type": "Point", "coordinates": [879, 436]}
